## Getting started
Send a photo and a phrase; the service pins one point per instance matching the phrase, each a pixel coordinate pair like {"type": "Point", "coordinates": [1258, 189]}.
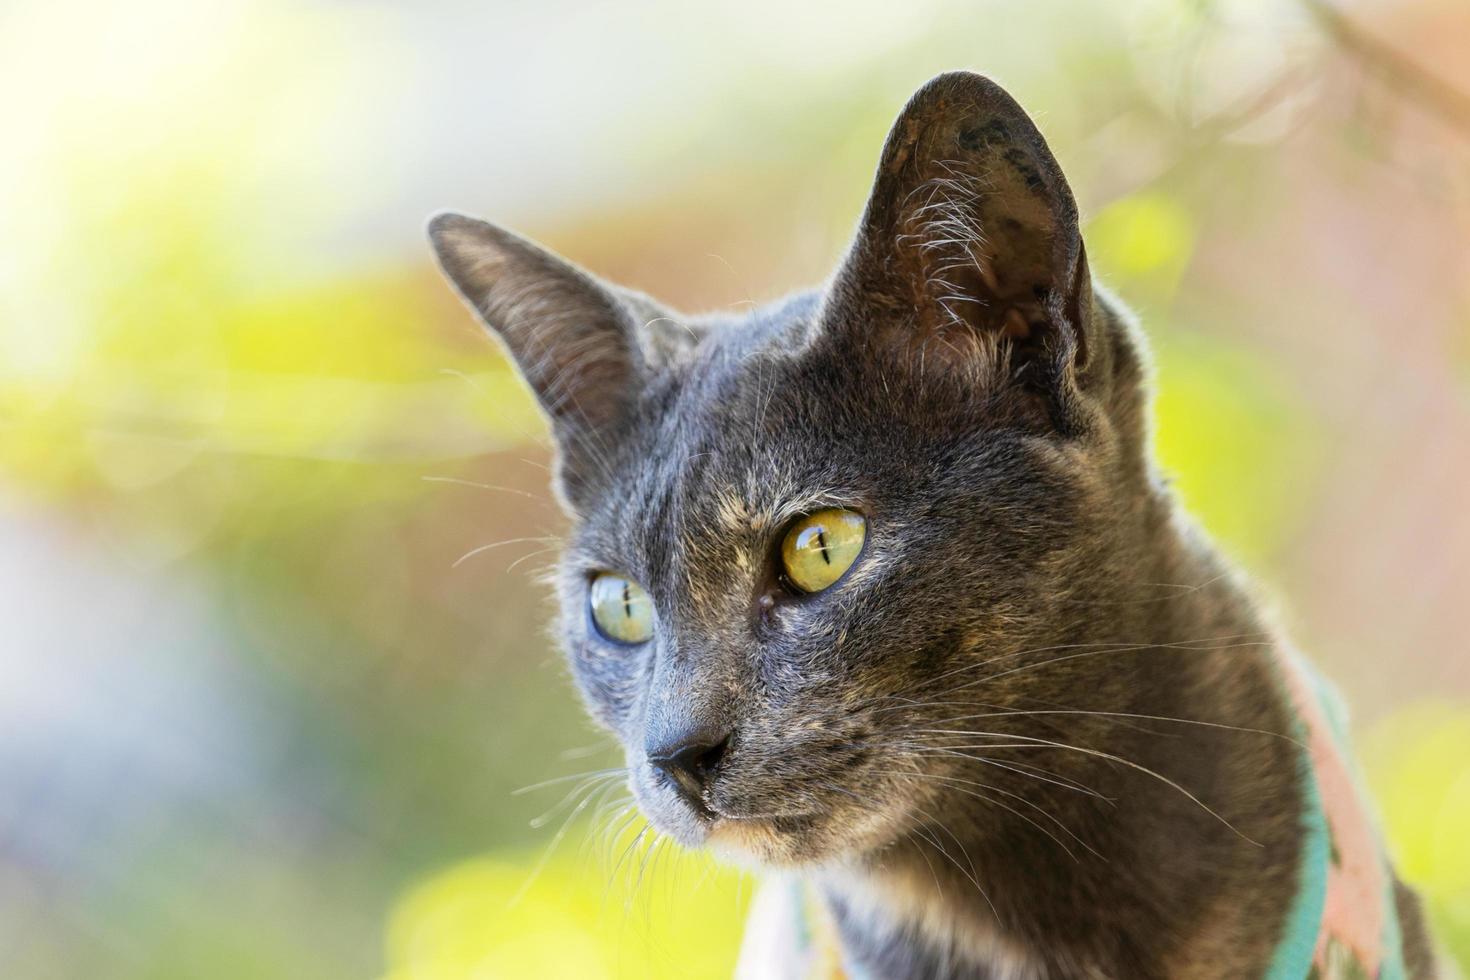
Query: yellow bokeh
{"type": "Point", "coordinates": [500, 917]}
{"type": "Point", "coordinates": [1417, 761]}
{"type": "Point", "coordinates": [1144, 240]}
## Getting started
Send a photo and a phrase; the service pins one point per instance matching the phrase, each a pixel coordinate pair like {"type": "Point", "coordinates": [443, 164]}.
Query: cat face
{"type": "Point", "coordinates": [938, 421]}
{"type": "Point", "coordinates": [800, 699]}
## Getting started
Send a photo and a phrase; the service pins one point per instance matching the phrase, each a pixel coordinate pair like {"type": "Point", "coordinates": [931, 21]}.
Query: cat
{"type": "Point", "coordinates": [880, 589]}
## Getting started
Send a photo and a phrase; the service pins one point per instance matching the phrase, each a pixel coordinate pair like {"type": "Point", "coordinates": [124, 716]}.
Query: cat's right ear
{"type": "Point", "coordinates": [571, 336]}
{"type": "Point", "coordinates": [969, 257]}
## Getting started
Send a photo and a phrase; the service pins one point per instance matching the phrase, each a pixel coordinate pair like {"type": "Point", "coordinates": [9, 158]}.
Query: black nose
{"type": "Point", "coordinates": [690, 761]}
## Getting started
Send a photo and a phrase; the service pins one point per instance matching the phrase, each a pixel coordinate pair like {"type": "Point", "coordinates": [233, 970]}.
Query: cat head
{"type": "Point", "coordinates": [805, 537]}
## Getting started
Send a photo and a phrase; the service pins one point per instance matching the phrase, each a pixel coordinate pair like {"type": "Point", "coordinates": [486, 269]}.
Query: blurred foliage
{"type": "Point", "coordinates": [272, 507]}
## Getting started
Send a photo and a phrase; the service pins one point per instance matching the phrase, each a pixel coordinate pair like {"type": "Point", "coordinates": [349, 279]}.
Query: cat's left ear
{"type": "Point", "coordinates": [969, 250]}
{"type": "Point", "coordinates": [573, 337]}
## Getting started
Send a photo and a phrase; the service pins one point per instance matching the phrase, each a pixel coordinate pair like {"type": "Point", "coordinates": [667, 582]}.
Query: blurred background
{"type": "Point", "coordinates": [259, 717]}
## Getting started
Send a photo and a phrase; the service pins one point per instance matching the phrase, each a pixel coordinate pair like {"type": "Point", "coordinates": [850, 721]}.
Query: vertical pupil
{"type": "Point", "coordinates": [627, 600]}
{"type": "Point", "coordinates": [822, 543]}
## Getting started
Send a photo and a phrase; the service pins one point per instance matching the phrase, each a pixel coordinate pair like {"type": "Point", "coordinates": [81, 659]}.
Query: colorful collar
{"type": "Point", "coordinates": [1343, 924]}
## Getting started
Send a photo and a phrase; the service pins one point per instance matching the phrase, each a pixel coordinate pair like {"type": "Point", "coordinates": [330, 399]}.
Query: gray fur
{"type": "Point", "coordinates": [962, 383]}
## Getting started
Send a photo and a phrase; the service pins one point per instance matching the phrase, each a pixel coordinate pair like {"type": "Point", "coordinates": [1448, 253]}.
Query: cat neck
{"type": "Point", "coordinates": [1177, 844]}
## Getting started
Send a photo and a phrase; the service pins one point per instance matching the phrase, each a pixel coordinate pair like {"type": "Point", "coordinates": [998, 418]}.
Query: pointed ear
{"type": "Point", "coordinates": [571, 336]}
{"type": "Point", "coordinates": [969, 248]}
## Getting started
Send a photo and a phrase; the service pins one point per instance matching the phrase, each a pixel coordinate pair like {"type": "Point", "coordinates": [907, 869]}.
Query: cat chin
{"type": "Point", "coordinates": [758, 845]}
{"type": "Point", "coordinates": [797, 843]}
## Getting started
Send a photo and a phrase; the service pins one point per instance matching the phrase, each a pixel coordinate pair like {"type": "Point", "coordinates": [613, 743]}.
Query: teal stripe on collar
{"type": "Point", "coordinates": [1293, 957]}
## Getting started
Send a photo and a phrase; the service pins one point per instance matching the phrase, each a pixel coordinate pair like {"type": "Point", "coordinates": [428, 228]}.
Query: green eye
{"type": "Point", "coordinates": [621, 609]}
{"type": "Point", "coordinates": [820, 547]}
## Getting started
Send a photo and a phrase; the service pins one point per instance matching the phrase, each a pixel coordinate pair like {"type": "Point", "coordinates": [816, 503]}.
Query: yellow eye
{"type": "Point", "coordinates": [821, 546]}
{"type": "Point", "coordinates": [621, 609]}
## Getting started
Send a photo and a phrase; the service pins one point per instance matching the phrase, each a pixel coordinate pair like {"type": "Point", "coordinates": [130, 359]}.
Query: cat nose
{"type": "Point", "coordinates": [690, 760]}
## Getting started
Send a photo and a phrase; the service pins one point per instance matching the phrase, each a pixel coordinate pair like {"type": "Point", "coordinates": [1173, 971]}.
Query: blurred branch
{"type": "Point", "coordinates": [1229, 121]}
{"type": "Point", "coordinates": [1424, 87]}
{"type": "Point", "coordinates": [1200, 141]}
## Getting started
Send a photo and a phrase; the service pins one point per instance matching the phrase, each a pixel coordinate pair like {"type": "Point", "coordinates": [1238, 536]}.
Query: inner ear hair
{"type": "Point", "coordinates": [970, 239]}
{"type": "Point", "coordinates": [964, 293]}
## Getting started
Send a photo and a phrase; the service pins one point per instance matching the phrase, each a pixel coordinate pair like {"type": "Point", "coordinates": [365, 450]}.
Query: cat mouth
{"type": "Point", "coordinates": [781, 820]}
{"type": "Point", "coordinates": [788, 823]}
{"type": "Point", "coordinates": [777, 824]}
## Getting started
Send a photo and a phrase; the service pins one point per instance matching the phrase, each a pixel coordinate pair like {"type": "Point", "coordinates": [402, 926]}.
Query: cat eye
{"type": "Point", "coordinates": [621, 609]}
{"type": "Point", "coordinates": [820, 547]}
